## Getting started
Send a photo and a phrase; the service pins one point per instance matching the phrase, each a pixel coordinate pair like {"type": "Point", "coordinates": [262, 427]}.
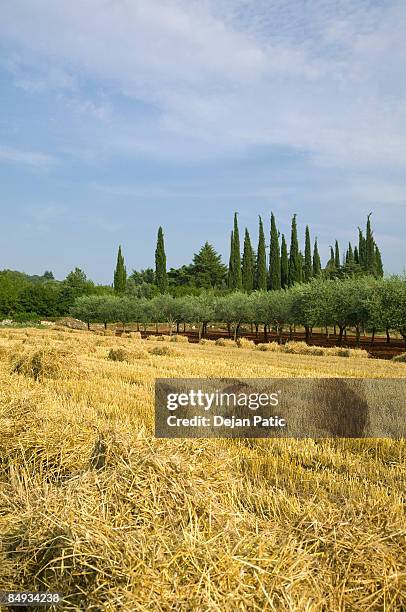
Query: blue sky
{"type": "Point", "coordinates": [120, 115]}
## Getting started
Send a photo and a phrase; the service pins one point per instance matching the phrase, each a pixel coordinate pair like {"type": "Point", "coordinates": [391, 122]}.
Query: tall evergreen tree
{"type": "Point", "coordinates": [361, 249]}
{"type": "Point", "coordinates": [284, 263]}
{"type": "Point", "coordinates": [274, 257]}
{"type": "Point", "coordinates": [248, 264]}
{"type": "Point", "coordinates": [369, 248]}
{"type": "Point", "coordinates": [350, 254]}
{"type": "Point", "coordinates": [294, 272]}
{"type": "Point", "coordinates": [230, 261]}
{"type": "Point", "coordinates": [378, 263]}
{"type": "Point", "coordinates": [337, 262]}
{"type": "Point", "coordinates": [235, 276]}
{"type": "Point", "coordinates": [161, 277]}
{"type": "Point", "coordinates": [307, 270]}
{"type": "Point", "coordinates": [120, 273]}
{"type": "Point", "coordinates": [260, 273]}
{"type": "Point", "coordinates": [207, 268]}
{"type": "Point", "coordinates": [356, 255]}
{"type": "Point", "coordinates": [316, 260]}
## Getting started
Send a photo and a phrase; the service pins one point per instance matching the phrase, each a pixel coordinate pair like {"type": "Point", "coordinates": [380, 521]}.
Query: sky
{"type": "Point", "coordinates": [118, 116]}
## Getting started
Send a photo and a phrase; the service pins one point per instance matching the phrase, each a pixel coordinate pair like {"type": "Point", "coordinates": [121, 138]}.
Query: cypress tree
{"type": "Point", "coordinates": [350, 254]}
{"type": "Point", "coordinates": [294, 272]}
{"type": "Point", "coordinates": [369, 248]}
{"type": "Point", "coordinates": [161, 277]}
{"type": "Point", "coordinates": [378, 263]}
{"type": "Point", "coordinates": [316, 260]}
{"type": "Point", "coordinates": [260, 276]}
{"type": "Point", "coordinates": [284, 263]}
{"type": "Point", "coordinates": [237, 255]}
{"type": "Point", "coordinates": [235, 277]}
{"type": "Point", "coordinates": [230, 261]}
{"type": "Point", "coordinates": [307, 270]}
{"type": "Point", "coordinates": [356, 255]}
{"type": "Point", "coordinates": [274, 257]}
{"type": "Point", "coordinates": [247, 264]}
{"type": "Point", "coordinates": [361, 249]}
{"type": "Point", "coordinates": [337, 262]}
{"type": "Point", "coordinates": [120, 273]}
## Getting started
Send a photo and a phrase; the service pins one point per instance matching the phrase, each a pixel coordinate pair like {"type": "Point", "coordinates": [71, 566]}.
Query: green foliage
{"type": "Point", "coordinates": [120, 273]}
{"type": "Point", "coordinates": [295, 266]}
{"type": "Point", "coordinates": [316, 260]}
{"type": "Point", "coordinates": [248, 270]}
{"type": "Point", "coordinates": [337, 261]}
{"type": "Point", "coordinates": [260, 272]}
{"type": "Point", "coordinates": [234, 273]}
{"type": "Point", "coordinates": [307, 268]}
{"type": "Point", "coordinates": [284, 263]}
{"type": "Point", "coordinates": [207, 269]}
{"type": "Point", "coordinates": [161, 277]}
{"type": "Point", "coordinates": [274, 258]}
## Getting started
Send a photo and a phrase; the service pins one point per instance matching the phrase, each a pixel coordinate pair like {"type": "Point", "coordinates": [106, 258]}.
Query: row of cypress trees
{"type": "Point", "coordinates": [288, 268]}
{"type": "Point", "coordinates": [284, 269]}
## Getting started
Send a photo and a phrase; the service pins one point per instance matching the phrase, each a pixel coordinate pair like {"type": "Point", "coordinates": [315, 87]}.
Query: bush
{"type": "Point", "coordinates": [225, 342]}
{"type": "Point", "coordinates": [206, 341]}
{"type": "Point", "coordinates": [152, 338]}
{"type": "Point", "coordinates": [400, 358]}
{"type": "Point", "coordinates": [135, 335]}
{"type": "Point", "coordinates": [162, 350]}
{"type": "Point", "coordinates": [163, 338]}
{"type": "Point", "coordinates": [43, 363]}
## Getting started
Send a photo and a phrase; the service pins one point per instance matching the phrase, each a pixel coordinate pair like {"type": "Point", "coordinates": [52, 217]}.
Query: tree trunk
{"type": "Point", "coordinates": [306, 334]}
{"type": "Point", "coordinates": [340, 337]}
{"type": "Point", "coordinates": [335, 330]}
{"type": "Point", "coordinates": [184, 327]}
{"type": "Point", "coordinates": [200, 327]}
{"type": "Point", "coordinates": [373, 336]}
{"type": "Point", "coordinates": [290, 332]}
{"type": "Point", "coordinates": [177, 327]}
{"type": "Point", "coordinates": [256, 330]}
{"type": "Point", "coordinates": [229, 330]}
{"type": "Point", "coordinates": [170, 328]}
{"type": "Point", "coordinates": [88, 325]}
{"type": "Point", "coordinates": [327, 332]}
{"type": "Point", "coordinates": [236, 330]}
{"type": "Point", "coordinates": [265, 333]}
{"type": "Point", "coordinates": [105, 325]}
{"type": "Point", "coordinates": [357, 335]}
{"type": "Point", "coordinates": [280, 331]}
{"type": "Point", "coordinates": [156, 328]}
{"type": "Point", "coordinates": [387, 335]}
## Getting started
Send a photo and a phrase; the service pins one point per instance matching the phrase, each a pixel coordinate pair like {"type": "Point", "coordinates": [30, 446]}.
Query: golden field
{"type": "Point", "coordinates": [93, 506]}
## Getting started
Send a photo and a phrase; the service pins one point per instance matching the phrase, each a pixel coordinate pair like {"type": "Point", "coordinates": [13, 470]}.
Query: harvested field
{"type": "Point", "coordinates": [91, 504]}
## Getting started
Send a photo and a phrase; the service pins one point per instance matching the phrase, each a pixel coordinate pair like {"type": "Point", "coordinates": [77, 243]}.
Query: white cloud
{"type": "Point", "coordinates": [220, 76]}
{"type": "Point", "coordinates": [30, 158]}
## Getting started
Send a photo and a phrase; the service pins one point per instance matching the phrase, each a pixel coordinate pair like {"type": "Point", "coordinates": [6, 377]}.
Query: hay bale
{"type": "Point", "coordinates": [206, 341]}
{"type": "Point", "coordinates": [269, 346]}
{"type": "Point", "coordinates": [162, 350]}
{"type": "Point", "coordinates": [245, 343]}
{"type": "Point", "coordinates": [42, 363]}
{"type": "Point", "coordinates": [179, 338]}
{"type": "Point", "coordinates": [225, 342]}
{"type": "Point", "coordinates": [164, 338]}
{"type": "Point", "coordinates": [122, 354]}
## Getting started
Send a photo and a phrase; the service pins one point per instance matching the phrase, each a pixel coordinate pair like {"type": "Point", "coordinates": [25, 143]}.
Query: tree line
{"type": "Point", "coordinates": [253, 269]}
{"type": "Point", "coordinates": [268, 267]}
{"type": "Point", "coordinates": [364, 304]}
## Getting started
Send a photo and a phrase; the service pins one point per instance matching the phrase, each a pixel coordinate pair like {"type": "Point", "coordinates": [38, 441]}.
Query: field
{"type": "Point", "coordinates": [93, 506]}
